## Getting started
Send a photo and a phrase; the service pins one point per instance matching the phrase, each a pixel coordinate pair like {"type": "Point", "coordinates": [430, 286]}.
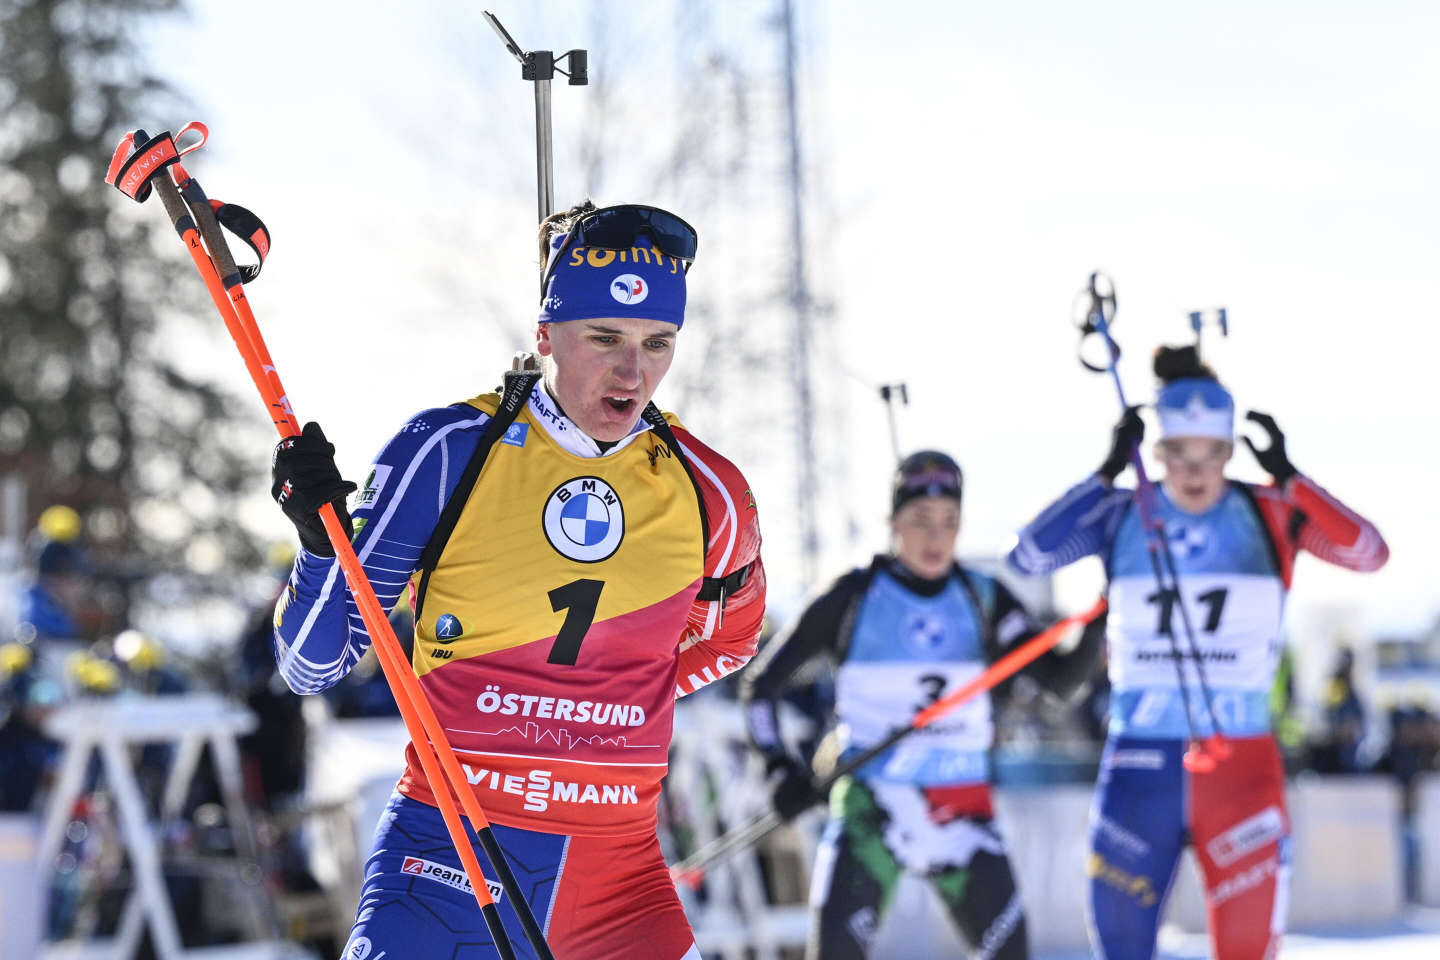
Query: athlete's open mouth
{"type": "Point", "coordinates": [620, 405]}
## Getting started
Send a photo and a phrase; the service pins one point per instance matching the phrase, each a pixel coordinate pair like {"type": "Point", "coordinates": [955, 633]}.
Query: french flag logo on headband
{"type": "Point", "coordinates": [629, 289]}
{"type": "Point", "coordinates": [1196, 407]}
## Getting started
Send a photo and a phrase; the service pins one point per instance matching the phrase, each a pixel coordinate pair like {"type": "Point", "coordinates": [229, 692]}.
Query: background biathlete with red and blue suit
{"type": "Point", "coordinates": [1234, 546]}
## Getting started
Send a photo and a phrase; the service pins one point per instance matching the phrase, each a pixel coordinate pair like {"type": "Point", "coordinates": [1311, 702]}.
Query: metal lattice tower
{"type": "Point", "coordinates": [800, 309]}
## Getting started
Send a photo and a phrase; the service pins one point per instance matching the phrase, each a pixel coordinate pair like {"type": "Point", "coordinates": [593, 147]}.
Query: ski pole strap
{"type": "Point", "coordinates": [1099, 314]}
{"type": "Point", "coordinates": [1095, 325]}
{"type": "Point", "coordinates": [132, 168]}
{"type": "Point", "coordinates": [247, 227]}
{"type": "Point", "coordinates": [1110, 345]}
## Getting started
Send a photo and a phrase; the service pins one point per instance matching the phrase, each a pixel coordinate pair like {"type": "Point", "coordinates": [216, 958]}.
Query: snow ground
{"type": "Point", "coordinates": [1417, 937]}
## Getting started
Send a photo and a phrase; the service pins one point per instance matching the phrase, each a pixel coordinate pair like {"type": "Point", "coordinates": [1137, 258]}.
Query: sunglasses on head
{"type": "Point", "coordinates": [620, 226]}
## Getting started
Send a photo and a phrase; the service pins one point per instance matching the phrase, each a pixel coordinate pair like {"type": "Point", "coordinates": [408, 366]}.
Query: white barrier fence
{"type": "Point", "coordinates": [1427, 830]}
{"type": "Point", "coordinates": [1347, 849]}
{"type": "Point", "coordinates": [21, 894]}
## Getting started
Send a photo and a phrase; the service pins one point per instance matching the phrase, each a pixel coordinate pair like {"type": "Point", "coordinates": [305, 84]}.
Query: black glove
{"type": "Point", "coordinates": [305, 478]}
{"type": "Point", "coordinates": [792, 787]}
{"type": "Point", "coordinates": [1123, 439]}
{"type": "Point", "coordinates": [1272, 459]}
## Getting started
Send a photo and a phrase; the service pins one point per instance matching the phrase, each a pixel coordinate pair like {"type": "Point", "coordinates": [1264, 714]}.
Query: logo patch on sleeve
{"type": "Point", "coordinates": [370, 489]}
{"type": "Point", "coordinates": [516, 434]}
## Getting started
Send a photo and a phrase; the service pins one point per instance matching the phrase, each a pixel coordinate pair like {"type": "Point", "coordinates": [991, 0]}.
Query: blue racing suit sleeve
{"type": "Point", "coordinates": [1080, 523]}
{"type": "Point", "coordinates": [319, 634]}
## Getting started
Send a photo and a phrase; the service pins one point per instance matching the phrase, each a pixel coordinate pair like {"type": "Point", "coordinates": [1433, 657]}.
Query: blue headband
{"type": "Point", "coordinates": [588, 283]}
{"type": "Point", "coordinates": [1196, 407]}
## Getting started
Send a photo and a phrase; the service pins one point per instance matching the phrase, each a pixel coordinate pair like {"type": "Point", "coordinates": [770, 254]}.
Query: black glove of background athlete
{"type": "Point", "coordinates": [1273, 458]}
{"type": "Point", "coordinates": [1127, 433]}
{"type": "Point", "coordinates": [305, 477]}
{"type": "Point", "coordinates": [792, 787]}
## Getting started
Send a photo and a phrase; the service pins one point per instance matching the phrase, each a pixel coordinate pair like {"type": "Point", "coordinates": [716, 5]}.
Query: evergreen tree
{"type": "Point", "coordinates": [97, 410]}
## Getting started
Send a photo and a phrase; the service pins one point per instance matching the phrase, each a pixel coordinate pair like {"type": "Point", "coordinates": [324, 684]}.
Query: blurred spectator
{"type": "Point", "coordinates": [145, 665]}
{"type": "Point", "coordinates": [274, 754]}
{"type": "Point", "coordinates": [27, 756]}
{"type": "Point", "coordinates": [1414, 751]}
{"type": "Point", "coordinates": [35, 670]}
{"type": "Point", "coordinates": [51, 601]}
{"type": "Point", "coordinates": [1339, 749]}
{"type": "Point", "coordinates": [1414, 748]}
{"type": "Point", "coordinates": [58, 613]}
{"type": "Point", "coordinates": [1285, 714]}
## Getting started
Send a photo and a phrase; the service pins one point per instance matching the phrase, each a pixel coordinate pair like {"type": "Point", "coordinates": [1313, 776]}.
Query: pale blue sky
{"type": "Point", "coordinates": [972, 162]}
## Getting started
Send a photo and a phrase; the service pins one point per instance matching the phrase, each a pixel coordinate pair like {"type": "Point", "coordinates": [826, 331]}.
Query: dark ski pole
{"type": "Point", "coordinates": [890, 393]}
{"type": "Point", "coordinates": [1203, 753]}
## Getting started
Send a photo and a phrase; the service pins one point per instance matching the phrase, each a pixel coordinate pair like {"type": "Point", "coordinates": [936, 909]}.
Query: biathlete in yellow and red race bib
{"type": "Point", "coordinates": [553, 636]}
{"type": "Point", "coordinates": [564, 597]}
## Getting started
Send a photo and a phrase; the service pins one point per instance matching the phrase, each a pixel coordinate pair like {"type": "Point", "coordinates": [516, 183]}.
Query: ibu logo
{"type": "Point", "coordinates": [629, 289]}
{"type": "Point", "coordinates": [584, 520]}
{"type": "Point", "coordinates": [448, 628]}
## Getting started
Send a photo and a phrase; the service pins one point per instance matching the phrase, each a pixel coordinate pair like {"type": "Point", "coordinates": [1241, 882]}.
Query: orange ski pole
{"type": "Point", "coordinates": [205, 217]}
{"type": "Point", "coordinates": [691, 870]}
{"type": "Point", "coordinates": [239, 320]}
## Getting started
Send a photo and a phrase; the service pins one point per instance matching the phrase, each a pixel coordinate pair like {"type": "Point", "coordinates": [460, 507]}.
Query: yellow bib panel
{"type": "Point", "coordinates": [547, 634]}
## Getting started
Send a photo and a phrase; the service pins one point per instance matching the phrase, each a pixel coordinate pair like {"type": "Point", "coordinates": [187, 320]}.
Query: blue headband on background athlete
{"type": "Point", "coordinates": [1196, 407]}
{"type": "Point", "coordinates": [590, 283]}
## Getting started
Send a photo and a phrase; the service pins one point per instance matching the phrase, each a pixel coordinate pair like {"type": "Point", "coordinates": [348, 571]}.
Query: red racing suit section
{"type": "Point", "coordinates": [1304, 516]}
{"type": "Point", "coordinates": [1241, 834]}
{"type": "Point", "coordinates": [721, 635]}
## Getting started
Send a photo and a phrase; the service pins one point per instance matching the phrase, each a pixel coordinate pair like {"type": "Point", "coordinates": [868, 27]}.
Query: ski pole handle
{"type": "Point", "coordinates": [419, 718]}
{"type": "Point", "coordinates": [438, 759]}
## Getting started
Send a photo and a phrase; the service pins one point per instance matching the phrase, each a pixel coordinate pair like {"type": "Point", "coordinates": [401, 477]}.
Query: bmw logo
{"type": "Point", "coordinates": [1188, 540]}
{"type": "Point", "coordinates": [584, 520]}
{"type": "Point", "coordinates": [448, 628]}
{"type": "Point", "coordinates": [926, 632]}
